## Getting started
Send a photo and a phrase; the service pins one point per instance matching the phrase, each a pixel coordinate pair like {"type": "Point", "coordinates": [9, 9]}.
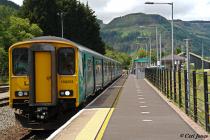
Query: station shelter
{"type": "Point", "coordinates": [140, 65]}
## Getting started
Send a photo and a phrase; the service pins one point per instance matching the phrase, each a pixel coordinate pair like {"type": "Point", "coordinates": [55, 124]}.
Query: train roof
{"type": "Point", "coordinates": [79, 46]}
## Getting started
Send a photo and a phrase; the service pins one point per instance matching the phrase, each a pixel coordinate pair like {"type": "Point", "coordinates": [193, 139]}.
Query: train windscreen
{"type": "Point", "coordinates": [66, 61]}
{"type": "Point", "coordinates": [20, 61]}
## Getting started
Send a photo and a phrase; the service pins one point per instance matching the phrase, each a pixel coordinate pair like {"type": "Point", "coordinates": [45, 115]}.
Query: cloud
{"type": "Point", "coordinates": [96, 4]}
{"type": "Point", "coordinates": [119, 6]}
{"type": "Point", "coordinates": [19, 2]}
{"type": "Point", "coordinates": [183, 9]}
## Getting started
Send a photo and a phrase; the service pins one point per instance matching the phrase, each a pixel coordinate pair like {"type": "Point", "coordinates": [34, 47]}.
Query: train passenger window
{"type": "Point", "coordinates": [20, 61]}
{"type": "Point", "coordinates": [66, 61]}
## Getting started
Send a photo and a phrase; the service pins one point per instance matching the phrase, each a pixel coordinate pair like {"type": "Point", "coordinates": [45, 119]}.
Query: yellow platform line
{"type": "Point", "coordinates": [95, 127]}
{"type": "Point", "coordinates": [111, 110]}
{"type": "Point", "coordinates": [90, 130]}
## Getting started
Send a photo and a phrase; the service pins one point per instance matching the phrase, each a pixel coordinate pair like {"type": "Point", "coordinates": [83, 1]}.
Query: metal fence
{"type": "Point", "coordinates": [173, 84]}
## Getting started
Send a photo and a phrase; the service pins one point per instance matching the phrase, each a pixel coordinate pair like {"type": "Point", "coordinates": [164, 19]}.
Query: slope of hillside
{"type": "Point", "coordinates": [122, 33]}
{"type": "Point", "coordinates": [10, 4]}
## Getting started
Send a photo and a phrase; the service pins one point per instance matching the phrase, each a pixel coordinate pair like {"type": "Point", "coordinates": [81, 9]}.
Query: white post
{"type": "Point", "coordinates": [202, 57]}
{"type": "Point", "coordinates": [172, 37]}
{"type": "Point", "coordinates": [156, 42]}
{"type": "Point", "coordinates": [188, 71]}
{"type": "Point", "coordinates": [160, 50]}
{"type": "Point", "coordinates": [61, 16]}
{"type": "Point", "coordinates": [150, 51]}
{"type": "Point", "coordinates": [62, 23]}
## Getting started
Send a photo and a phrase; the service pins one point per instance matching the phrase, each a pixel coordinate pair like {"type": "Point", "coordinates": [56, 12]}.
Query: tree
{"type": "Point", "coordinates": [3, 63]}
{"type": "Point", "coordinates": [80, 23]}
{"type": "Point", "coordinates": [43, 13]}
{"type": "Point", "coordinates": [12, 30]}
{"type": "Point", "coordinates": [123, 58]}
{"type": "Point", "coordinates": [178, 50]}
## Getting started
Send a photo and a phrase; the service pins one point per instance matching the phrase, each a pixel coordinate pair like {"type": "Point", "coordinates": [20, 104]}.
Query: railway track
{"type": "Point", "coordinates": [4, 101]}
{"type": "Point", "coordinates": [37, 134]}
{"type": "Point", "coordinates": [4, 88]}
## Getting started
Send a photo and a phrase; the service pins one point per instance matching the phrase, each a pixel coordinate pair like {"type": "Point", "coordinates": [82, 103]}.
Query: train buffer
{"type": "Point", "coordinates": [130, 110]}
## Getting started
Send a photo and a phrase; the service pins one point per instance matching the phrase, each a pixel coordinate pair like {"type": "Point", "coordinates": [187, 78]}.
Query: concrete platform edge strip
{"type": "Point", "coordinates": [59, 130]}
{"type": "Point", "coordinates": [198, 129]}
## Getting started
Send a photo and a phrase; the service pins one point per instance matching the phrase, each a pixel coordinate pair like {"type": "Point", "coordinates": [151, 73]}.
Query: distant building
{"type": "Point", "coordinates": [196, 61]}
{"type": "Point", "coordinates": [167, 60]}
{"type": "Point", "coordinates": [139, 66]}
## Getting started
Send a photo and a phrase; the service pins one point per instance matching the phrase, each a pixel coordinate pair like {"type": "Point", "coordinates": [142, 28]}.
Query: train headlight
{"type": "Point", "coordinates": [66, 93]}
{"type": "Point", "coordinates": [21, 93]}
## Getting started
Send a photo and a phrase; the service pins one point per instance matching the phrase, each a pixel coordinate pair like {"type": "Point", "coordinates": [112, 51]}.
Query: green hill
{"type": "Point", "coordinates": [122, 32]}
{"type": "Point", "coordinates": [9, 4]}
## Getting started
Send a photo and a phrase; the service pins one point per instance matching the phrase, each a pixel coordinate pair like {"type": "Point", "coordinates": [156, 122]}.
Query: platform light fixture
{"type": "Point", "coordinates": [172, 28]}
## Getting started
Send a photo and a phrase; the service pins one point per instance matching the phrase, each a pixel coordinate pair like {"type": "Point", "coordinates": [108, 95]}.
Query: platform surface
{"type": "Point", "coordinates": [87, 123]}
{"type": "Point", "coordinates": [141, 114]}
{"type": "Point", "coordinates": [128, 110]}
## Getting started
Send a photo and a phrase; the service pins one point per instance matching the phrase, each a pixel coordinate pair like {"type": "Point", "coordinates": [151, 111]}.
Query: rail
{"type": "Point", "coordinates": [4, 88]}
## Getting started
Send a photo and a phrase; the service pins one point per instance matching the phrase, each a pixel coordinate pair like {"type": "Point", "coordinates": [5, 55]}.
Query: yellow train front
{"type": "Point", "coordinates": [50, 75]}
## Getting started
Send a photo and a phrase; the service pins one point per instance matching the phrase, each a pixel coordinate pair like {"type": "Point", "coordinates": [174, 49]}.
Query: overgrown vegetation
{"type": "Point", "coordinates": [123, 58]}
{"type": "Point", "coordinates": [80, 23]}
{"type": "Point", "coordinates": [12, 30]}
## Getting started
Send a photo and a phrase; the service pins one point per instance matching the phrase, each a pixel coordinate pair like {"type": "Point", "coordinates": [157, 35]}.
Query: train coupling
{"type": "Point", "coordinates": [42, 113]}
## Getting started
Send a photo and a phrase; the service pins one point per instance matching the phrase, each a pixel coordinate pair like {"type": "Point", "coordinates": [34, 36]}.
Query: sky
{"type": "Point", "coordinates": [106, 10]}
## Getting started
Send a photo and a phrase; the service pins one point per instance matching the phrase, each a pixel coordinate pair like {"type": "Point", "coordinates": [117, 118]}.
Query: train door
{"type": "Point", "coordinates": [42, 75]}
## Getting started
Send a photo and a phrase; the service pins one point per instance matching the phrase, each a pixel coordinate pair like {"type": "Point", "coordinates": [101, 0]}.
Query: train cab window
{"type": "Point", "coordinates": [20, 61]}
{"type": "Point", "coordinates": [66, 61]}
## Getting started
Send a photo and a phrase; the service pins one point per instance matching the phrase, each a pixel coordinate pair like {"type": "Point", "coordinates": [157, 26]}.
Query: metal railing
{"type": "Point", "coordinates": [196, 102]}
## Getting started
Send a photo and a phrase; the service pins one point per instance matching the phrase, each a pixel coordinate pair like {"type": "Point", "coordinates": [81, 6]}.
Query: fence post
{"type": "Point", "coordinates": [195, 97]}
{"type": "Point", "coordinates": [159, 79]}
{"type": "Point", "coordinates": [186, 99]}
{"type": "Point", "coordinates": [165, 82]}
{"type": "Point", "coordinates": [170, 73]}
{"type": "Point", "coordinates": [206, 104]}
{"type": "Point", "coordinates": [180, 88]}
{"type": "Point", "coordinates": [174, 85]}
{"type": "Point", "coordinates": [162, 80]}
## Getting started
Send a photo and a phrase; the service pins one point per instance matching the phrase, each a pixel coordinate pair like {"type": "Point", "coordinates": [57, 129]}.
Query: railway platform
{"type": "Point", "coordinates": [130, 109]}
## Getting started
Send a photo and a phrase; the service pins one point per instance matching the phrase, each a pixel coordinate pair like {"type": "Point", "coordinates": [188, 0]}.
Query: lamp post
{"type": "Point", "coordinates": [61, 16]}
{"type": "Point", "coordinates": [156, 38]}
{"type": "Point", "coordinates": [188, 72]}
{"type": "Point", "coordinates": [172, 29]}
{"type": "Point", "coordinates": [160, 50]}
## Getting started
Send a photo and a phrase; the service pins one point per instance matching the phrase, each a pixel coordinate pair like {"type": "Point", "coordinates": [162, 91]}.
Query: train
{"type": "Point", "coordinates": [49, 76]}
